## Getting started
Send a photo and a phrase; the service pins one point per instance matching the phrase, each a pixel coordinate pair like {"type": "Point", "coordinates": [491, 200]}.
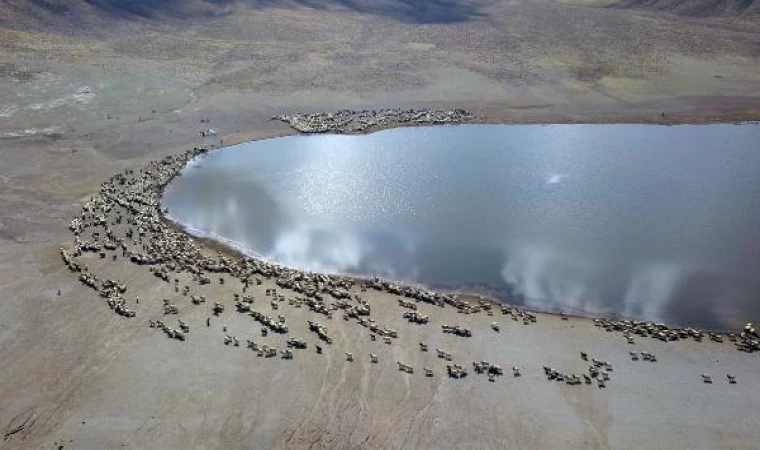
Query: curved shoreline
{"type": "Point", "coordinates": [171, 248]}
{"type": "Point", "coordinates": [229, 247]}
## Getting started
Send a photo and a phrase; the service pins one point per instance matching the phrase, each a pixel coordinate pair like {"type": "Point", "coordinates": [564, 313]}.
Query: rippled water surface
{"type": "Point", "coordinates": [653, 222]}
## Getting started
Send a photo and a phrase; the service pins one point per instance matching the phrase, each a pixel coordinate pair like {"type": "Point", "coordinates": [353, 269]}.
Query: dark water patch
{"type": "Point", "coordinates": [653, 222]}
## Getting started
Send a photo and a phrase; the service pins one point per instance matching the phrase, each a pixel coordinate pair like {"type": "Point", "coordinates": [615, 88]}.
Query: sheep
{"type": "Point", "coordinates": [349, 356]}
{"type": "Point", "coordinates": [455, 371]}
{"type": "Point", "coordinates": [731, 379]}
{"type": "Point", "coordinates": [495, 326]}
{"type": "Point", "coordinates": [516, 371]}
{"type": "Point", "coordinates": [296, 343]}
{"type": "Point", "coordinates": [634, 356]}
{"type": "Point", "coordinates": [405, 367]}
{"type": "Point", "coordinates": [423, 347]}
{"type": "Point", "coordinates": [287, 354]}
{"type": "Point", "coordinates": [227, 339]}
{"type": "Point", "coordinates": [428, 372]}
{"type": "Point", "coordinates": [584, 356]}
{"type": "Point", "coordinates": [373, 358]}
{"type": "Point", "coordinates": [707, 379]}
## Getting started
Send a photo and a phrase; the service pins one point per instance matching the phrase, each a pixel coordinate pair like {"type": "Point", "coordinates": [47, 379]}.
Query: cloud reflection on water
{"type": "Point", "coordinates": [625, 230]}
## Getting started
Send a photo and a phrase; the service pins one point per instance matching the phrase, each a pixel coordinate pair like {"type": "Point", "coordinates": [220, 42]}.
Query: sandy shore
{"type": "Point", "coordinates": [77, 109]}
{"type": "Point", "coordinates": [97, 380]}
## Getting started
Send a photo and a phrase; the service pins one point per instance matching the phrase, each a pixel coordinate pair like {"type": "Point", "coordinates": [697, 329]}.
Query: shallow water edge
{"type": "Point", "coordinates": [229, 247]}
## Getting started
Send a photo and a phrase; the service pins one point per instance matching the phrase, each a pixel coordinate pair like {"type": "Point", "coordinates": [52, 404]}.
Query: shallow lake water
{"type": "Point", "coordinates": [641, 221]}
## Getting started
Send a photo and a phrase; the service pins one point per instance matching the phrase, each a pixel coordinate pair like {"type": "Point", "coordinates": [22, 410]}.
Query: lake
{"type": "Point", "coordinates": [642, 221]}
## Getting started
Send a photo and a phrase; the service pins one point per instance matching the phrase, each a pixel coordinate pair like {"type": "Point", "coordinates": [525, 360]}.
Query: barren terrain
{"type": "Point", "coordinates": [88, 89]}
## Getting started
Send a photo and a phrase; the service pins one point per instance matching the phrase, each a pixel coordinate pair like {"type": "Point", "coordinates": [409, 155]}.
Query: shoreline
{"type": "Point", "coordinates": [218, 244]}
{"type": "Point", "coordinates": [86, 107]}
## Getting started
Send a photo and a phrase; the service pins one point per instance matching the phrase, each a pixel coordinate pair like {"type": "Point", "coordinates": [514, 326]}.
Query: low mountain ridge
{"type": "Point", "coordinates": [749, 9]}
{"type": "Point", "coordinates": [73, 13]}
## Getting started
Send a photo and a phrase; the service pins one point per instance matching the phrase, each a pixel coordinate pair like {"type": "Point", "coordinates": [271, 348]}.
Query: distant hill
{"type": "Point", "coordinates": [63, 14]}
{"type": "Point", "coordinates": [749, 9]}
{"type": "Point", "coordinates": [95, 16]}
{"type": "Point", "coordinates": [70, 14]}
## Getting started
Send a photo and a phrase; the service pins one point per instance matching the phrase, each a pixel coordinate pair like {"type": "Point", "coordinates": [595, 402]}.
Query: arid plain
{"type": "Point", "coordinates": [88, 90]}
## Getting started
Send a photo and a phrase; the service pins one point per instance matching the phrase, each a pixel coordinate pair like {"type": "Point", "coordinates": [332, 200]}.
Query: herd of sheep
{"type": "Point", "coordinates": [125, 220]}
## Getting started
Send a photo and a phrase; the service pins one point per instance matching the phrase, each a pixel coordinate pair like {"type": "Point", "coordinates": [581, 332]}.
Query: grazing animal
{"type": "Point", "coordinates": [455, 371]}
{"type": "Point", "coordinates": [373, 358]}
{"type": "Point", "coordinates": [405, 367]}
{"type": "Point", "coordinates": [707, 379]}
